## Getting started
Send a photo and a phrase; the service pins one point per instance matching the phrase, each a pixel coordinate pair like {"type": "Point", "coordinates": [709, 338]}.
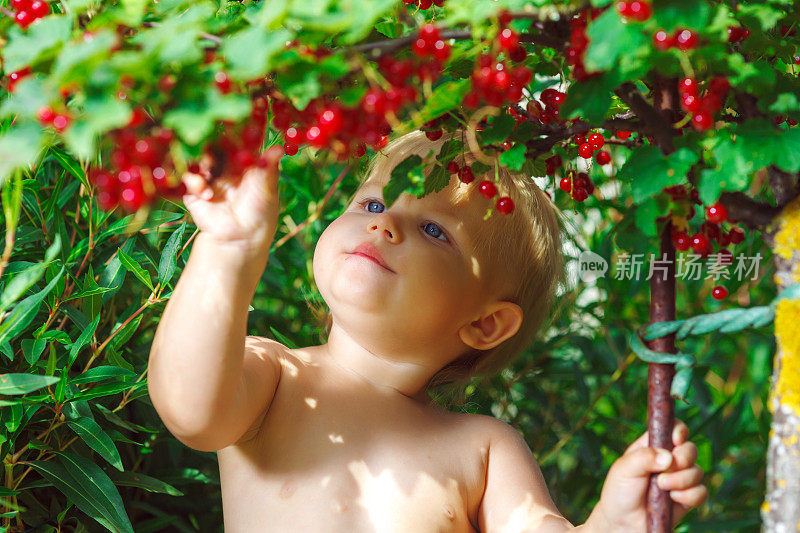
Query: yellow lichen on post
{"type": "Point", "coordinates": [787, 387]}
{"type": "Point", "coordinates": [787, 238]}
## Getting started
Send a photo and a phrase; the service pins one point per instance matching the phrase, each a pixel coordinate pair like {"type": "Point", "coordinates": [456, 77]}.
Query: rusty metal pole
{"type": "Point", "coordinates": [660, 406]}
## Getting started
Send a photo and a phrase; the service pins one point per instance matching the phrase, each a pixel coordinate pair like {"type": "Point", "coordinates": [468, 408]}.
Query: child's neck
{"type": "Point", "coordinates": [384, 374]}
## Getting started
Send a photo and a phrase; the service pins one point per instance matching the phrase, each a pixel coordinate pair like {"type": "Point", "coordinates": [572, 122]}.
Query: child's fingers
{"type": "Point", "coordinates": [680, 432]}
{"type": "Point", "coordinates": [680, 480]}
{"type": "Point", "coordinates": [691, 497]}
{"type": "Point", "coordinates": [684, 455]}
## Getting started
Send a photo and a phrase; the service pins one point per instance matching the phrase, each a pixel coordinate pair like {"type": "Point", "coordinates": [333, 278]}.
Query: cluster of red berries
{"type": "Point", "coordinates": [486, 188]}
{"type": "Point", "coordinates": [48, 117]}
{"type": "Point", "coordinates": [430, 44]}
{"type": "Point", "coordinates": [579, 42]}
{"type": "Point", "coordinates": [703, 108]}
{"type": "Point", "coordinates": [552, 100]}
{"type": "Point", "coordinates": [682, 39]}
{"type": "Point", "coordinates": [138, 171]}
{"type": "Point", "coordinates": [710, 230]}
{"type": "Point", "coordinates": [141, 168]}
{"type": "Point", "coordinates": [638, 10]}
{"type": "Point", "coordinates": [29, 11]}
{"type": "Point", "coordinates": [424, 4]}
{"type": "Point", "coordinates": [589, 144]}
{"type": "Point", "coordinates": [578, 184]}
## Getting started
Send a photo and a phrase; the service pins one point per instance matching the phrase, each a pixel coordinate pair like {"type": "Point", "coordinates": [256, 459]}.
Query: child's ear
{"type": "Point", "coordinates": [501, 321]}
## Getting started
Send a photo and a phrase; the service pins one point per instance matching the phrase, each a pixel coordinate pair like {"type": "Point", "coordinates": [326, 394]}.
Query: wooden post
{"type": "Point", "coordinates": [660, 406]}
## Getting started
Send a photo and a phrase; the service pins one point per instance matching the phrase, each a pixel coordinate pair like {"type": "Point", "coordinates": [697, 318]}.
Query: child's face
{"type": "Point", "coordinates": [434, 286]}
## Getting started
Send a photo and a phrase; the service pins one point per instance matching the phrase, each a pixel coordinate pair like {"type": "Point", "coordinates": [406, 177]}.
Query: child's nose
{"type": "Point", "coordinates": [386, 226]}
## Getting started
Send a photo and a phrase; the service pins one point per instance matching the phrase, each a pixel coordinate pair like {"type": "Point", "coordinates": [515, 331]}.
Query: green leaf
{"type": "Point", "coordinates": [23, 383]}
{"type": "Point", "coordinates": [39, 42]}
{"type": "Point", "coordinates": [32, 349]}
{"type": "Point", "coordinates": [589, 99]}
{"type": "Point", "coordinates": [645, 215]}
{"type": "Point", "coordinates": [194, 120]}
{"type": "Point", "coordinates": [12, 199]}
{"type": "Point", "coordinates": [100, 373]}
{"type": "Point", "coordinates": [175, 40]}
{"type": "Point", "coordinates": [437, 179]}
{"type": "Point", "coordinates": [445, 97]}
{"type": "Point", "coordinates": [764, 144]}
{"type": "Point", "coordinates": [250, 52]}
{"type": "Point", "coordinates": [97, 439]}
{"type": "Point", "coordinates": [450, 149]}
{"type": "Point", "coordinates": [142, 481]}
{"type": "Point", "coordinates": [132, 266]}
{"type": "Point", "coordinates": [650, 171]}
{"type": "Point", "coordinates": [101, 114]}
{"type": "Point", "coordinates": [514, 157]}
{"type": "Point", "coordinates": [78, 58]}
{"type": "Point", "coordinates": [169, 256]}
{"type": "Point", "coordinates": [610, 38]}
{"type": "Point", "coordinates": [19, 147]}
{"type": "Point", "coordinates": [84, 339]}
{"type": "Point", "coordinates": [672, 14]}
{"type": "Point", "coordinates": [407, 175]}
{"type": "Point", "coordinates": [25, 311]}
{"type": "Point", "coordinates": [88, 487]}
{"type": "Point", "coordinates": [498, 129]}
{"type": "Point", "coordinates": [115, 419]}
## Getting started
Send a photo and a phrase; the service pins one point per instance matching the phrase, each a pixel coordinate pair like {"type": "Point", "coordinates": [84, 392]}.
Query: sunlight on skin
{"type": "Point", "coordinates": [381, 497]}
{"type": "Point", "coordinates": [311, 402]}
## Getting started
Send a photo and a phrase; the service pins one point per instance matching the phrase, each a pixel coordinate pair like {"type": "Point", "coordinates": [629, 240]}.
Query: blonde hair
{"type": "Point", "coordinates": [522, 250]}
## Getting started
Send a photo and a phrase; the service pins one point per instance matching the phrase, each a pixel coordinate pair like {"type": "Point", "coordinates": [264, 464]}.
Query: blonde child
{"type": "Point", "coordinates": [343, 436]}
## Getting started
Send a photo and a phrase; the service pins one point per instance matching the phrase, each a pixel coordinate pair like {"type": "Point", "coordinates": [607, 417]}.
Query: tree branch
{"type": "Point", "coordinates": [742, 208]}
{"type": "Point", "coordinates": [655, 125]}
{"type": "Point", "coordinates": [784, 185]}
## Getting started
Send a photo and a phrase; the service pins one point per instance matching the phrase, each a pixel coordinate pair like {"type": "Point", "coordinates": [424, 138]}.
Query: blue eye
{"type": "Point", "coordinates": [430, 228]}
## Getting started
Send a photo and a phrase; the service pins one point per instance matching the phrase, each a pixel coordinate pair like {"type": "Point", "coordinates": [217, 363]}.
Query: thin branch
{"type": "Point", "coordinates": [655, 124]}
{"type": "Point", "coordinates": [751, 213]}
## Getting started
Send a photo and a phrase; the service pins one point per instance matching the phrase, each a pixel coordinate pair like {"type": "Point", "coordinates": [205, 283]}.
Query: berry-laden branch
{"type": "Point", "coordinates": [655, 125]}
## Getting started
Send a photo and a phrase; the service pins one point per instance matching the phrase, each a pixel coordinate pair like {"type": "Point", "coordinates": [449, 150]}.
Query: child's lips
{"type": "Point", "coordinates": [372, 253]}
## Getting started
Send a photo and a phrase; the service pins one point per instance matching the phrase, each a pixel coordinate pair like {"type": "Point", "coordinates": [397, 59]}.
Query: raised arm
{"type": "Point", "coordinates": [206, 386]}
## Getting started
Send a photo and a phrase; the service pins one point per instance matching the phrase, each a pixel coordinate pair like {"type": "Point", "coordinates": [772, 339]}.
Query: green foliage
{"type": "Point", "coordinates": [81, 294]}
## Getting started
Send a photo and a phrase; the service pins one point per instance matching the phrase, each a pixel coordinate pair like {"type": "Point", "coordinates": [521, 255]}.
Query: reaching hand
{"type": "Point", "coordinates": [241, 210]}
{"type": "Point", "coordinates": [622, 505]}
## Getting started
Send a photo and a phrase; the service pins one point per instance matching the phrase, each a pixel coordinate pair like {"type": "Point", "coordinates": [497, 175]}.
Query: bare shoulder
{"type": "Point", "coordinates": [492, 429]}
{"type": "Point", "coordinates": [266, 349]}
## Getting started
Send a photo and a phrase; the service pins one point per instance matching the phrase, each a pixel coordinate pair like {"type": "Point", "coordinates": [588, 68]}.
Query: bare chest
{"type": "Point", "coordinates": [323, 460]}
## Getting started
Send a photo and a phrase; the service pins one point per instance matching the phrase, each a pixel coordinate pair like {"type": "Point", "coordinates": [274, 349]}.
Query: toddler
{"type": "Point", "coordinates": [344, 436]}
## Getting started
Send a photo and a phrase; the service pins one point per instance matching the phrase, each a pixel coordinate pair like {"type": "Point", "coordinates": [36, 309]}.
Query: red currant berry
{"type": "Point", "coordinates": [565, 184]}
{"type": "Point", "coordinates": [700, 244]}
{"type": "Point", "coordinates": [716, 213]}
{"type": "Point", "coordinates": [39, 9]}
{"type": "Point", "coordinates": [596, 140]}
{"type": "Point", "coordinates": [487, 189]}
{"type": "Point", "coordinates": [602, 157]}
{"type": "Point", "coordinates": [434, 135]}
{"type": "Point", "coordinates": [441, 51]}
{"type": "Point", "coordinates": [45, 115]}
{"type": "Point", "coordinates": [640, 10]}
{"type": "Point", "coordinates": [621, 134]}
{"type": "Point", "coordinates": [736, 234]}
{"type": "Point", "coordinates": [465, 174]}
{"type": "Point", "coordinates": [688, 86]}
{"type": "Point", "coordinates": [719, 85]}
{"type": "Point", "coordinates": [624, 8]}
{"type": "Point", "coordinates": [579, 194]}
{"type": "Point", "coordinates": [452, 167]}
{"type": "Point", "coordinates": [508, 39]}
{"type": "Point", "coordinates": [691, 103]}
{"type": "Point", "coordinates": [222, 82]}
{"type": "Point", "coordinates": [702, 121]}
{"type": "Point", "coordinates": [737, 33]}
{"type": "Point", "coordinates": [586, 150]}
{"type": "Point", "coordinates": [24, 18]}
{"type": "Point", "coordinates": [686, 40]}
{"type": "Point", "coordinates": [681, 241]}
{"type": "Point", "coordinates": [61, 122]}
{"type": "Point", "coordinates": [429, 32]}
{"type": "Point", "coordinates": [719, 292]}
{"type": "Point", "coordinates": [579, 139]}
{"type": "Point", "coordinates": [421, 48]}
{"type": "Point", "coordinates": [504, 18]}
{"type": "Point", "coordinates": [290, 148]}
{"type": "Point", "coordinates": [663, 40]}
{"type": "Point", "coordinates": [504, 205]}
